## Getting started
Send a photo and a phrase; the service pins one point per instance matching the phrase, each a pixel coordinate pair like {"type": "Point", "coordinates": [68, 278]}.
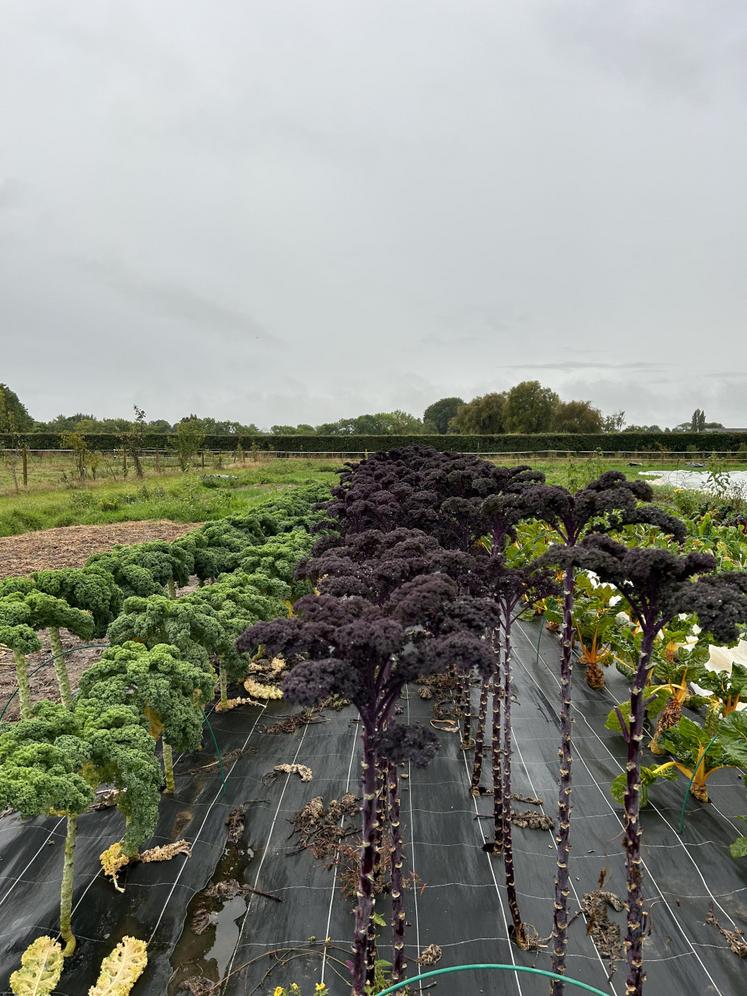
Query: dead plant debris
{"type": "Point", "coordinates": [529, 820]}
{"type": "Point", "coordinates": [105, 799]}
{"type": "Point", "coordinates": [530, 800]}
{"type": "Point", "coordinates": [736, 938]}
{"type": "Point", "coordinates": [289, 724]}
{"type": "Point", "coordinates": [321, 830]}
{"type": "Point", "coordinates": [196, 985]}
{"type": "Point", "coordinates": [167, 851]}
{"type": "Point", "coordinates": [304, 773]}
{"type": "Point", "coordinates": [605, 933]}
{"type": "Point", "coordinates": [431, 955]}
{"type": "Point", "coordinates": [236, 824]}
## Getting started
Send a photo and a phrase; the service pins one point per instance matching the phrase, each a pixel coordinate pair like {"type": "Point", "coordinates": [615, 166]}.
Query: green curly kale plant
{"type": "Point", "coordinates": [167, 690]}
{"type": "Point", "coordinates": [52, 762]}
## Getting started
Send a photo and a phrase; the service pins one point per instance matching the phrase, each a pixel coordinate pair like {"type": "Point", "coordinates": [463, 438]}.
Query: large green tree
{"type": "Point", "coordinates": [484, 415]}
{"type": "Point", "coordinates": [530, 407]}
{"type": "Point", "coordinates": [440, 413]}
{"type": "Point", "coordinates": [14, 416]}
{"type": "Point", "coordinates": [577, 416]}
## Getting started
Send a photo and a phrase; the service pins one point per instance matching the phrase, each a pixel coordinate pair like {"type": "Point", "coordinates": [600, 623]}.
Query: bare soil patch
{"type": "Point", "coordinates": [71, 546]}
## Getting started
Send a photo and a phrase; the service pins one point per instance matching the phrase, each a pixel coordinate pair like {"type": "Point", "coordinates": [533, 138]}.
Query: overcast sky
{"type": "Point", "coordinates": [299, 211]}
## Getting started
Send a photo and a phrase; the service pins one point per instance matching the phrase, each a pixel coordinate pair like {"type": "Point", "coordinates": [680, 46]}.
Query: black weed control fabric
{"type": "Point", "coordinates": [459, 903]}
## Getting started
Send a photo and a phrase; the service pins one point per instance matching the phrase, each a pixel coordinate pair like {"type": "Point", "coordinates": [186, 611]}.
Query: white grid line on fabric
{"type": "Point", "coordinates": [604, 795]}
{"type": "Point", "coordinates": [492, 875]}
{"type": "Point", "coordinates": [678, 841]}
{"type": "Point", "coordinates": [337, 859]}
{"type": "Point", "coordinates": [229, 967]}
{"type": "Point", "coordinates": [202, 825]}
{"type": "Point", "coordinates": [573, 887]}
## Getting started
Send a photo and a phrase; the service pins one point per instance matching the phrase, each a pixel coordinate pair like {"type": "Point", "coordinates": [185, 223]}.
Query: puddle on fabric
{"type": "Point", "coordinates": [207, 954]}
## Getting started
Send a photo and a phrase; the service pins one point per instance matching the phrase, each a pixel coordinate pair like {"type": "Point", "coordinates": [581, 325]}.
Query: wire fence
{"type": "Point", "coordinates": [34, 469]}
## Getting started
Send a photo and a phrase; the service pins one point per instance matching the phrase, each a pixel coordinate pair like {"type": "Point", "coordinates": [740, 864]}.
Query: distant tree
{"type": "Point", "coordinates": [343, 427]}
{"type": "Point", "coordinates": [134, 438]}
{"type": "Point", "coordinates": [379, 424]}
{"type": "Point", "coordinates": [80, 422]}
{"type": "Point", "coordinates": [577, 416]}
{"type": "Point", "coordinates": [14, 416]}
{"type": "Point", "coordinates": [698, 420]}
{"type": "Point", "coordinates": [399, 423]}
{"type": "Point", "coordinates": [214, 427]}
{"type": "Point", "coordinates": [440, 413]}
{"type": "Point", "coordinates": [302, 429]}
{"type": "Point", "coordinates": [69, 423]}
{"type": "Point", "coordinates": [613, 422]}
{"type": "Point", "coordinates": [530, 407]}
{"type": "Point", "coordinates": [187, 441]}
{"type": "Point", "coordinates": [484, 415]}
{"type": "Point", "coordinates": [81, 453]}
{"type": "Point", "coordinates": [643, 428]}
{"type": "Point", "coordinates": [160, 425]}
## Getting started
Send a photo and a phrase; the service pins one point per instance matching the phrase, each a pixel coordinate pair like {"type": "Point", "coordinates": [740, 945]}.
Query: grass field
{"type": "Point", "coordinates": [218, 490]}
{"type": "Point", "coordinates": [191, 497]}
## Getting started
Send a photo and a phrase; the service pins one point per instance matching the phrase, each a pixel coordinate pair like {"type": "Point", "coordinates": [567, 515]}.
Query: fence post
{"type": "Point", "coordinates": [25, 460]}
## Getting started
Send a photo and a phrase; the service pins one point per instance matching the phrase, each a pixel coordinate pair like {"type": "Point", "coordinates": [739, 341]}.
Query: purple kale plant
{"type": "Point", "coordinates": [366, 653]}
{"type": "Point", "coordinates": [608, 503]}
{"type": "Point", "coordinates": [658, 585]}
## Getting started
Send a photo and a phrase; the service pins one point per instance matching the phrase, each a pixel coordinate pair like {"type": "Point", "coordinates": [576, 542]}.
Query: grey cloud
{"type": "Point", "coordinates": [573, 365]}
{"type": "Point", "coordinates": [178, 302]}
{"type": "Point", "coordinates": [372, 205]}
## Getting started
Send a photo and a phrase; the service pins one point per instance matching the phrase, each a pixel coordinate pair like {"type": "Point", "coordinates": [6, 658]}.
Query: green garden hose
{"type": "Point", "coordinates": [502, 968]}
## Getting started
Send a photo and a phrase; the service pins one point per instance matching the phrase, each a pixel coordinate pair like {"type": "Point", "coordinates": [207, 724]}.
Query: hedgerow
{"type": "Point", "coordinates": [504, 443]}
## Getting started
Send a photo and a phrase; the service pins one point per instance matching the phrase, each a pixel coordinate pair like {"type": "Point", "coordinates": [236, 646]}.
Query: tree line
{"type": "Point", "coordinates": [528, 407]}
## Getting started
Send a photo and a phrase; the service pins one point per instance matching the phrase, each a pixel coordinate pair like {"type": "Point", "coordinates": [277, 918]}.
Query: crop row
{"type": "Point", "coordinates": [429, 561]}
{"type": "Point", "coordinates": [153, 682]}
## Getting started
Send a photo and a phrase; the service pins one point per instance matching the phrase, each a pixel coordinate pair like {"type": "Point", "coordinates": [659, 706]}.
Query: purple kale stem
{"type": "Point", "coordinates": [497, 765]}
{"type": "Point", "coordinates": [397, 859]}
{"type": "Point", "coordinates": [465, 709]}
{"type": "Point", "coordinates": [563, 836]}
{"type": "Point", "coordinates": [365, 894]}
{"type": "Point", "coordinates": [381, 820]}
{"type": "Point", "coordinates": [480, 736]}
{"type": "Point", "coordinates": [520, 934]}
{"type": "Point", "coordinates": [637, 917]}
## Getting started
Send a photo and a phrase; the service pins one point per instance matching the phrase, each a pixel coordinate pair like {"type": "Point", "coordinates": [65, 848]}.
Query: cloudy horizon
{"type": "Point", "coordinates": [277, 213]}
